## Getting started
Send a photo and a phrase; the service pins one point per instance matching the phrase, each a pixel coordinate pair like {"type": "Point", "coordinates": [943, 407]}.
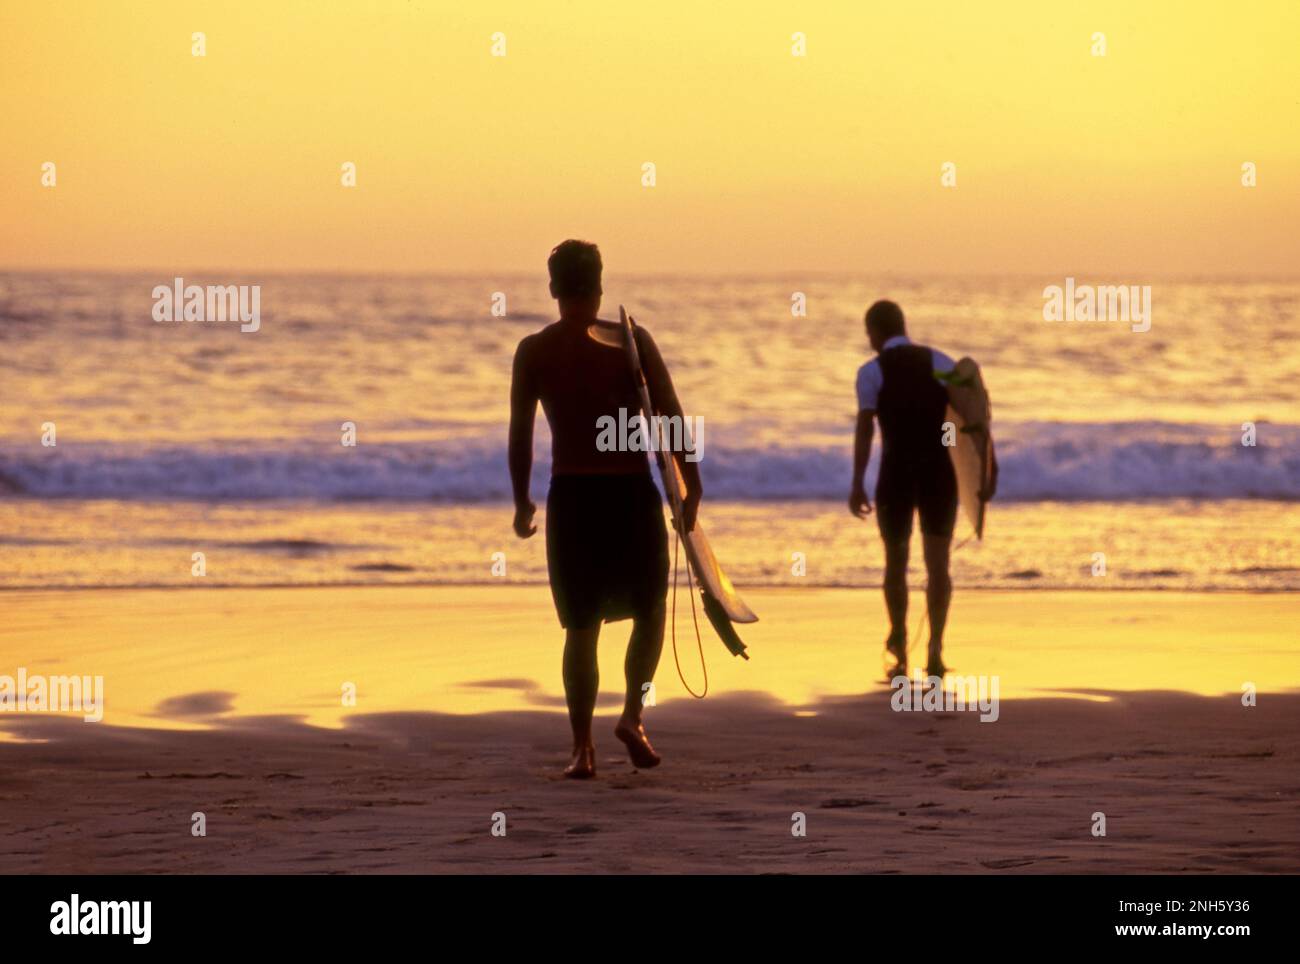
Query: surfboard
{"type": "Point", "coordinates": [972, 457]}
{"type": "Point", "coordinates": [722, 603]}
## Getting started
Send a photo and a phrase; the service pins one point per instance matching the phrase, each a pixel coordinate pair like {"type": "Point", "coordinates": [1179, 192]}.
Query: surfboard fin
{"type": "Point", "coordinates": [723, 625]}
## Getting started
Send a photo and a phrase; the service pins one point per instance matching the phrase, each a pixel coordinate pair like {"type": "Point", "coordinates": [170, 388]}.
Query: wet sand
{"type": "Point", "coordinates": [1189, 781]}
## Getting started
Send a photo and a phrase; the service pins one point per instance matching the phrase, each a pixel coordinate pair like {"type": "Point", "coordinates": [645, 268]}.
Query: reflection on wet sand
{"type": "Point", "coordinates": [192, 659]}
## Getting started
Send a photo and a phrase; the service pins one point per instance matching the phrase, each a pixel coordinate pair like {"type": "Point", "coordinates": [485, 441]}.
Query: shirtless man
{"type": "Point", "coordinates": [606, 542]}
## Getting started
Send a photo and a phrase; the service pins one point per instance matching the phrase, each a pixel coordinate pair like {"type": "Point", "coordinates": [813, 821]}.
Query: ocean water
{"type": "Point", "coordinates": [181, 437]}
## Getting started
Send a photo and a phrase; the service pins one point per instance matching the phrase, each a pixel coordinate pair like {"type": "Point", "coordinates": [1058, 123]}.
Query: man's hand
{"type": "Point", "coordinates": [859, 504]}
{"type": "Point", "coordinates": [524, 520]}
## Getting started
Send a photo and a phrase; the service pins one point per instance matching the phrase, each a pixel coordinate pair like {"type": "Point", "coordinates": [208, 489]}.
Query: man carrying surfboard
{"type": "Point", "coordinates": [903, 388]}
{"type": "Point", "coordinates": [606, 543]}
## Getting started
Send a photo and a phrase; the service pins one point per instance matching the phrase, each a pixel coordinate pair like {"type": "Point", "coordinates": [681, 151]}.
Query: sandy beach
{"type": "Point", "coordinates": [225, 702]}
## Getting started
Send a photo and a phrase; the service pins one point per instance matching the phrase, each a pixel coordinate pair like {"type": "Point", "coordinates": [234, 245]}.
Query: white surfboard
{"type": "Point", "coordinates": [972, 457]}
{"type": "Point", "coordinates": [722, 603]}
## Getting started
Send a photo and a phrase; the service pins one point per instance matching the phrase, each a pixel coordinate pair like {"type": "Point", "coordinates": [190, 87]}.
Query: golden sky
{"type": "Point", "coordinates": [766, 162]}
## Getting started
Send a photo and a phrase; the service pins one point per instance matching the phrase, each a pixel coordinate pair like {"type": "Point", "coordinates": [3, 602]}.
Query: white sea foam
{"type": "Point", "coordinates": [1039, 462]}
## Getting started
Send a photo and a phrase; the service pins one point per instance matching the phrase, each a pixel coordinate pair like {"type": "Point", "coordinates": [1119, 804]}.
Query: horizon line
{"type": "Point", "coordinates": [687, 274]}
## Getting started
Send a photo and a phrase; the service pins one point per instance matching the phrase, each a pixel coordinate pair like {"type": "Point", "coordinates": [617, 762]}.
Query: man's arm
{"type": "Point", "coordinates": [665, 398]}
{"type": "Point", "coordinates": [523, 410]}
{"type": "Point", "coordinates": [859, 504]}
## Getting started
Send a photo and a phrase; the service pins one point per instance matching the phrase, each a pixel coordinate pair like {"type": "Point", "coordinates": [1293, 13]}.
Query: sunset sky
{"type": "Point", "coordinates": [766, 162]}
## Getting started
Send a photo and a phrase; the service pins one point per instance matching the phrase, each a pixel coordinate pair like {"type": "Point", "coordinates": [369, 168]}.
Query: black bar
{"type": "Point", "coordinates": [947, 914]}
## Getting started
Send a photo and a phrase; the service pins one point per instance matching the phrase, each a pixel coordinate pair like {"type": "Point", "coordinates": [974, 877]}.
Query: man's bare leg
{"type": "Point", "coordinates": [643, 649]}
{"type": "Point", "coordinates": [938, 594]}
{"type": "Point", "coordinates": [896, 552]}
{"type": "Point", "coordinates": [581, 683]}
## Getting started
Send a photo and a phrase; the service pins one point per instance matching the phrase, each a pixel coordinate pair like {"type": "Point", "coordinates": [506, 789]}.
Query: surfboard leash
{"type": "Point", "coordinates": [690, 588]}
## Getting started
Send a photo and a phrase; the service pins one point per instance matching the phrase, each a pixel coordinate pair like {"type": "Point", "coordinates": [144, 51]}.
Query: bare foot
{"type": "Point", "coordinates": [583, 766]}
{"type": "Point", "coordinates": [638, 745]}
{"type": "Point", "coordinates": [896, 646]}
{"type": "Point", "coordinates": [934, 666]}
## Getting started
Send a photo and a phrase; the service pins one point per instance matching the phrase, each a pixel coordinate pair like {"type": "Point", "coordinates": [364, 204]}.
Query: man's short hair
{"type": "Point", "coordinates": [575, 268]}
{"type": "Point", "coordinates": [885, 319]}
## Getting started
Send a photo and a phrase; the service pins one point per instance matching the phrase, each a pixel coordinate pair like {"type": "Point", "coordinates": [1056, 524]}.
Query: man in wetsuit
{"type": "Point", "coordinates": [899, 388]}
{"type": "Point", "coordinates": [606, 543]}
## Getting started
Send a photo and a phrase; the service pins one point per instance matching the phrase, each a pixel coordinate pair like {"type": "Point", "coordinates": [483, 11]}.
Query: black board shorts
{"type": "Point", "coordinates": [928, 489]}
{"type": "Point", "coordinates": [606, 547]}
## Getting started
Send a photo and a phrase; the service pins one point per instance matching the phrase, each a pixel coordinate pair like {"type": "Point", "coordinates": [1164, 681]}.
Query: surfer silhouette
{"type": "Point", "coordinates": [899, 389]}
{"type": "Point", "coordinates": [606, 542]}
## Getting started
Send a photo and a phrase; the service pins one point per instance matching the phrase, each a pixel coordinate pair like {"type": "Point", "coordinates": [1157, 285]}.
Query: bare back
{"type": "Point", "coordinates": [578, 381]}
